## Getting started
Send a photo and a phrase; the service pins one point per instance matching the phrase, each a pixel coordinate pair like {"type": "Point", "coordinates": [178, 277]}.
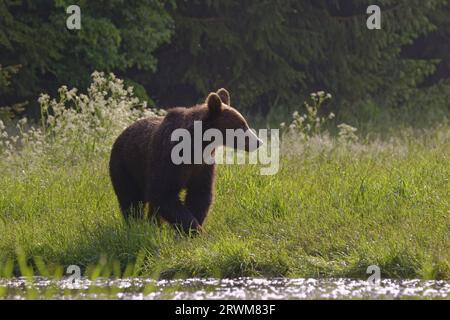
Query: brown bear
{"type": "Point", "coordinates": [142, 170]}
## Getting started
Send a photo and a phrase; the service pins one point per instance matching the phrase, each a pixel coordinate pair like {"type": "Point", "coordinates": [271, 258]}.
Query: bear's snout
{"type": "Point", "coordinates": [260, 143]}
{"type": "Point", "coordinates": [252, 142]}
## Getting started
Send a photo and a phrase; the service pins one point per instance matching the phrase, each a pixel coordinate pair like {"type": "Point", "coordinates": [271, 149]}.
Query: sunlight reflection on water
{"type": "Point", "coordinates": [241, 288]}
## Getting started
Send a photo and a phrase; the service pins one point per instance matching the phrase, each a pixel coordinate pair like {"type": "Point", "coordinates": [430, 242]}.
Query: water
{"type": "Point", "coordinates": [241, 288]}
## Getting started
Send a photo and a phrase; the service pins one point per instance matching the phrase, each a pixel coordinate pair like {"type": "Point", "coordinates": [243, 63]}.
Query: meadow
{"type": "Point", "coordinates": [338, 204]}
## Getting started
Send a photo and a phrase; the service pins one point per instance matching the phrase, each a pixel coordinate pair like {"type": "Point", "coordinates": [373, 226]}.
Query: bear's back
{"type": "Point", "coordinates": [137, 136]}
{"type": "Point", "coordinates": [132, 148]}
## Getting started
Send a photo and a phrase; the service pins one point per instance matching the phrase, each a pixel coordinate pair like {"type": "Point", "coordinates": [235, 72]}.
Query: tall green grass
{"type": "Point", "coordinates": [333, 210]}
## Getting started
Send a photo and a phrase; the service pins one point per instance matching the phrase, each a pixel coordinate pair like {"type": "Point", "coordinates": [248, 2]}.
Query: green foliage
{"type": "Point", "coordinates": [269, 53]}
{"type": "Point", "coordinates": [276, 52]}
{"type": "Point", "coordinates": [8, 112]}
{"type": "Point", "coordinates": [115, 35]}
{"type": "Point", "coordinates": [5, 76]}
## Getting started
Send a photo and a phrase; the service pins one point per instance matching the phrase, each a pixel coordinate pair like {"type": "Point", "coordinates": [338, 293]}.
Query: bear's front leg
{"type": "Point", "coordinates": [200, 194]}
{"type": "Point", "coordinates": [173, 211]}
{"type": "Point", "coordinates": [198, 203]}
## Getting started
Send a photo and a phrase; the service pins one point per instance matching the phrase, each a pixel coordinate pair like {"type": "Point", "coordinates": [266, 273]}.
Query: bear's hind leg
{"type": "Point", "coordinates": [129, 195]}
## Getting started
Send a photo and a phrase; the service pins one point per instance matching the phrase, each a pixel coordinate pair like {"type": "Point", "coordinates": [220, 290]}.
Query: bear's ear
{"type": "Point", "coordinates": [224, 96]}
{"type": "Point", "coordinates": [214, 103]}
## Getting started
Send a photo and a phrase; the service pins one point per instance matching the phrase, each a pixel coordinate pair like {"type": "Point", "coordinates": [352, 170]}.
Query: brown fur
{"type": "Point", "coordinates": [142, 171]}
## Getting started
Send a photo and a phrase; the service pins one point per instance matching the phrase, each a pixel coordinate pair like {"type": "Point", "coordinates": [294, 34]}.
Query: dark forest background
{"type": "Point", "coordinates": [271, 54]}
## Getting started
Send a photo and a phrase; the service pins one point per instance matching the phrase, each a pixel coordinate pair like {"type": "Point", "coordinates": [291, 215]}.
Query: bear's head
{"type": "Point", "coordinates": [226, 119]}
